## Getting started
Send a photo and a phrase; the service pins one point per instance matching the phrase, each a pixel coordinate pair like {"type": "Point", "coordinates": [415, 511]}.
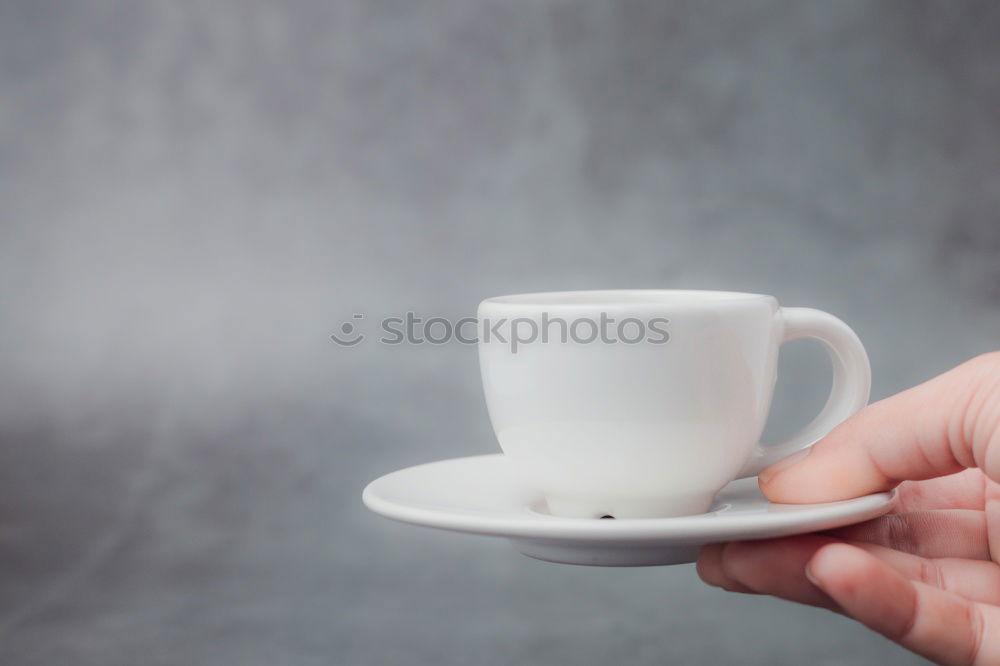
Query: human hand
{"type": "Point", "coordinates": [927, 575]}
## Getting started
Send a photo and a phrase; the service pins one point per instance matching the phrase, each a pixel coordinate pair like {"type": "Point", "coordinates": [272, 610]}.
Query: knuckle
{"type": "Point", "coordinates": [930, 573]}
{"type": "Point", "coordinates": [984, 374]}
{"type": "Point", "coordinates": [910, 623]}
{"type": "Point", "coordinates": [977, 632]}
{"type": "Point", "coordinates": [976, 416]}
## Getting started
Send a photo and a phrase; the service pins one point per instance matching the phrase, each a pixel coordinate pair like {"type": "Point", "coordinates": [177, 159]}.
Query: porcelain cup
{"type": "Point", "coordinates": [645, 403]}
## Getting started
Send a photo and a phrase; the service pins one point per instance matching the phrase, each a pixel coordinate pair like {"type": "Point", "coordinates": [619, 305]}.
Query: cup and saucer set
{"type": "Point", "coordinates": [630, 422]}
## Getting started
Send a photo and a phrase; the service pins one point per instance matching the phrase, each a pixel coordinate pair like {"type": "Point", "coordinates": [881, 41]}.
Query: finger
{"type": "Point", "coordinates": [772, 566]}
{"type": "Point", "coordinates": [992, 514]}
{"type": "Point", "coordinates": [946, 533]}
{"type": "Point", "coordinates": [965, 490]}
{"type": "Point", "coordinates": [777, 567]}
{"type": "Point", "coordinates": [929, 621]}
{"type": "Point", "coordinates": [972, 579]}
{"type": "Point", "coordinates": [938, 428]}
{"type": "Point", "coordinates": [709, 568]}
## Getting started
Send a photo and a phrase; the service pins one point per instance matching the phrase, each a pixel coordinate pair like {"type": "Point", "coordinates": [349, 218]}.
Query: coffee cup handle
{"type": "Point", "coordinates": [851, 382]}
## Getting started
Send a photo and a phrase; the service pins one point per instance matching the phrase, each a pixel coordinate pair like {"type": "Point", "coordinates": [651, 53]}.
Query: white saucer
{"type": "Point", "coordinates": [481, 495]}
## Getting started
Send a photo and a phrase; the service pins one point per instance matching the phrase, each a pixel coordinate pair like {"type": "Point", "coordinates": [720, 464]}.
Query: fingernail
{"type": "Point", "coordinates": [783, 464]}
{"type": "Point", "coordinates": [809, 575]}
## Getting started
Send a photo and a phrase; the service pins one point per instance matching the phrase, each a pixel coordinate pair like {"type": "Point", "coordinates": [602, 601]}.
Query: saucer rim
{"type": "Point", "coordinates": [701, 528]}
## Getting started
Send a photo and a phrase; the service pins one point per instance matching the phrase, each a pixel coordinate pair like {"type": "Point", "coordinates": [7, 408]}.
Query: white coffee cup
{"type": "Point", "coordinates": [661, 408]}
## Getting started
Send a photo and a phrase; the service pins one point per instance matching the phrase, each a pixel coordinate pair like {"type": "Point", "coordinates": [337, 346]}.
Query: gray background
{"type": "Point", "coordinates": [194, 196]}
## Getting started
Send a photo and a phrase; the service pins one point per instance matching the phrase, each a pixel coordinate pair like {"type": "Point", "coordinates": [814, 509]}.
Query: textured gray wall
{"type": "Point", "coordinates": [194, 196]}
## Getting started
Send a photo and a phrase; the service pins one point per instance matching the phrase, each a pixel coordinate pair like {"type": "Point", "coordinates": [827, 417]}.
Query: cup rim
{"type": "Point", "coordinates": [605, 298]}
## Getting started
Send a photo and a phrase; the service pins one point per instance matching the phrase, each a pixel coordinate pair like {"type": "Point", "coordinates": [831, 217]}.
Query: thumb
{"type": "Point", "coordinates": [937, 428]}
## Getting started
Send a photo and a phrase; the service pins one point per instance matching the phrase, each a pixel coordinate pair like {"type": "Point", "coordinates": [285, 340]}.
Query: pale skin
{"type": "Point", "coordinates": [927, 575]}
